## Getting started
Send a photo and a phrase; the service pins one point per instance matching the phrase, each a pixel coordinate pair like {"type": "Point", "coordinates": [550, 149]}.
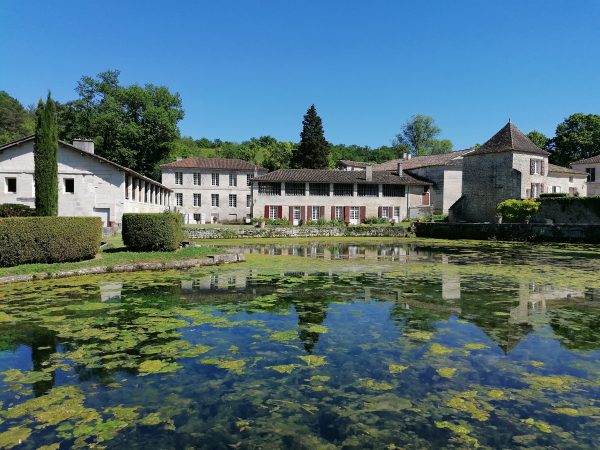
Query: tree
{"type": "Point", "coordinates": [15, 121]}
{"type": "Point", "coordinates": [419, 134]}
{"type": "Point", "coordinates": [539, 139]}
{"type": "Point", "coordinates": [135, 126]}
{"type": "Point", "coordinates": [313, 150]}
{"type": "Point", "coordinates": [577, 137]}
{"type": "Point", "coordinates": [45, 155]}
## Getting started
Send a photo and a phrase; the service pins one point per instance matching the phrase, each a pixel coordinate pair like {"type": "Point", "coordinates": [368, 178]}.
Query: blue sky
{"type": "Point", "coordinates": [251, 68]}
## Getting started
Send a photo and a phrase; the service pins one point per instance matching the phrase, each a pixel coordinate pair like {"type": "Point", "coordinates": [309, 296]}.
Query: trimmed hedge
{"type": "Point", "coordinates": [553, 195]}
{"type": "Point", "coordinates": [16, 210]}
{"type": "Point", "coordinates": [517, 211]}
{"type": "Point", "coordinates": [153, 231]}
{"type": "Point", "coordinates": [28, 240]}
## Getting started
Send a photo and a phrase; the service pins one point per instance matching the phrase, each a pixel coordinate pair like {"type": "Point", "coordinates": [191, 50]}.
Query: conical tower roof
{"type": "Point", "coordinates": [509, 139]}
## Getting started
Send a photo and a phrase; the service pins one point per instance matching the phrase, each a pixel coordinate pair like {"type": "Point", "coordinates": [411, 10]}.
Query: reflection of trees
{"type": "Point", "coordinates": [577, 328]}
{"type": "Point", "coordinates": [313, 313]}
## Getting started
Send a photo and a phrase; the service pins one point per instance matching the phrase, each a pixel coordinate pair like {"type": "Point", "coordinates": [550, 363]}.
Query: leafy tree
{"type": "Point", "coordinates": [313, 150]}
{"type": "Point", "coordinates": [419, 134]}
{"type": "Point", "coordinates": [539, 139]}
{"type": "Point", "coordinates": [45, 155]}
{"type": "Point", "coordinates": [577, 137]}
{"type": "Point", "coordinates": [134, 126]}
{"type": "Point", "coordinates": [15, 121]}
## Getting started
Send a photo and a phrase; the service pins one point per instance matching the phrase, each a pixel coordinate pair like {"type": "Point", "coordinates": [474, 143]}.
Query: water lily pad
{"type": "Point", "coordinates": [446, 372]}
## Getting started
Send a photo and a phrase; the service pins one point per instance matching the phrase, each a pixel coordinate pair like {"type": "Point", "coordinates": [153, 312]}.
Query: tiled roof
{"type": "Point", "coordinates": [416, 162]}
{"type": "Point", "coordinates": [348, 163]}
{"type": "Point", "coordinates": [592, 160]}
{"type": "Point", "coordinates": [91, 155]}
{"type": "Point", "coordinates": [211, 163]}
{"type": "Point", "coordinates": [339, 176]}
{"type": "Point", "coordinates": [560, 170]}
{"type": "Point", "coordinates": [509, 139]}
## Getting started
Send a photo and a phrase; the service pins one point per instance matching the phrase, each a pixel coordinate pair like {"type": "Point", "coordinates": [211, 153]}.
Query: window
{"type": "Point", "coordinates": [536, 167]}
{"type": "Point", "coordinates": [11, 185]}
{"type": "Point", "coordinates": [69, 185]}
{"type": "Point", "coordinates": [232, 179]}
{"type": "Point", "coordinates": [197, 218]}
{"type": "Point", "coordinates": [232, 201]}
{"type": "Point", "coordinates": [393, 190]}
{"type": "Point", "coordinates": [385, 213]}
{"type": "Point", "coordinates": [197, 179]}
{"type": "Point", "coordinates": [570, 179]}
{"type": "Point", "coordinates": [179, 199]}
{"type": "Point", "coordinates": [248, 179]}
{"type": "Point", "coordinates": [214, 199]}
{"type": "Point", "coordinates": [126, 187]}
{"type": "Point", "coordinates": [591, 171]}
{"type": "Point", "coordinates": [355, 213]}
{"type": "Point", "coordinates": [178, 177]}
{"type": "Point", "coordinates": [248, 201]}
{"type": "Point", "coordinates": [315, 213]}
{"type": "Point", "coordinates": [339, 213]}
{"type": "Point", "coordinates": [536, 189]}
{"type": "Point", "coordinates": [318, 188]}
{"type": "Point", "coordinates": [396, 211]}
{"type": "Point", "coordinates": [295, 189]}
{"type": "Point", "coordinates": [214, 179]}
{"type": "Point", "coordinates": [267, 188]}
{"type": "Point", "coordinates": [197, 199]}
{"type": "Point", "coordinates": [297, 213]}
{"type": "Point", "coordinates": [273, 212]}
{"type": "Point", "coordinates": [345, 189]}
{"type": "Point", "coordinates": [368, 190]}
{"type": "Point", "coordinates": [556, 189]}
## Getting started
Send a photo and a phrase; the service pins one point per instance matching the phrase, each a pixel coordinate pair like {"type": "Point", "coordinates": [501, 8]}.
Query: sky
{"type": "Point", "coordinates": [250, 68]}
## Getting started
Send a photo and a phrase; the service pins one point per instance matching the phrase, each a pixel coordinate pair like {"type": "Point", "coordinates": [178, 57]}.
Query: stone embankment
{"type": "Point", "coordinates": [195, 232]}
{"type": "Point", "coordinates": [136, 267]}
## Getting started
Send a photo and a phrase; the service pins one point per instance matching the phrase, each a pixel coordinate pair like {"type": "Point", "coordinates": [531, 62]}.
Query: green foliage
{"type": "Point", "coordinates": [26, 240]}
{"type": "Point", "coordinates": [16, 210]}
{"type": "Point", "coordinates": [517, 211]}
{"type": "Point", "coordinates": [419, 134]}
{"type": "Point", "coordinates": [553, 195]}
{"type": "Point", "coordinates": [153, 231]}
{"type": "Point", "coordinates": [577, 137]}
{"type": "Point", "coordinates": [15, 121]}
{"type": "Point", "coordinates": [313, 150]}
{"type": "Point", "coordinates": [589, 203]}
{"type": "Point", "coordinates": [45, 155]}
{"type": "Point", "coordinates": [373, 220]}
{"type": "Point", "coordinates": [134, 126]}
{"type": "Point", "coordinates": [539, 139]}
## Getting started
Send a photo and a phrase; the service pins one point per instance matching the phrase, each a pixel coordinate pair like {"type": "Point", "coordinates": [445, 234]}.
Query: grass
{"type": "Point", "coordinates": [116, 254]}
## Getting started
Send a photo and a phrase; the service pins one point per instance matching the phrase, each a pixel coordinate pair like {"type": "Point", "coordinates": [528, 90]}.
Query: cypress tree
{"type": "Point", "coordinates": [313, 150]}
{"type": "Point", "coordinates": [45, 155]}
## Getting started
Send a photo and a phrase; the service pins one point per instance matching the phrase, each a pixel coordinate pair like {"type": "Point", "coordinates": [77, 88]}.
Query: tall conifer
{"type": "Point", "coordinates": [45, 155]}
{"type": "Point", "coordinates": [313, 150]}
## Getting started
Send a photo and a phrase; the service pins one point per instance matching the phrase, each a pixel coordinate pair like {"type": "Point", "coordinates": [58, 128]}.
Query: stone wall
{"type": "Point", "coordinates": [510, 232]}
{"type": "Point", "coordinates": [569, 210]}
{"type": "Point", "coordinates": [193, 232]}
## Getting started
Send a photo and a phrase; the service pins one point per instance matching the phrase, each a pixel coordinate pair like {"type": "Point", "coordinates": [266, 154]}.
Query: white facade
{"type": "Point", "coordinates": [592, 168]}
{"type": "Point", "coordinates": [88, 184]}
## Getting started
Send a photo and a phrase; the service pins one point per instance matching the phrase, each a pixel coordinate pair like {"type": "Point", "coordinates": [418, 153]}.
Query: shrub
{"type": "Point", "coordinates": [16, 210]}
{"type": "Point", "coordinates": [373, 220]}
{"type": "Point", "coordinates": [517, 211]}
{"type": "Point", "coordinates": [28, 240]}
{"type": "Point", "coordinates": [277, 222]}
{"type": "Point", "coordinates": [554, 195]}
{"type": "Point", "coordinates": [153, 231]}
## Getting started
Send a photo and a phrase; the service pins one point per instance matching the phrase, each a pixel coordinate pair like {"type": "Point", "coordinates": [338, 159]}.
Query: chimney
{"type": "Point", "coordinates": [369, 173]}
{"type": "Point", "coordinates": [400, 171]}
{"type": "Point", "coordinates": [179, 158]}
{"type": "Point", "coordinates": [409, 155]}
{"type": "Point", "coordinates": [404, 155]}
{"type": "Point", "coordinates": [87, 145]}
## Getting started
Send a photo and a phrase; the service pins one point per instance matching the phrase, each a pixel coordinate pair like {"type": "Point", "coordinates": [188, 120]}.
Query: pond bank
{"type": "Point", "coordinates": [211, 260]}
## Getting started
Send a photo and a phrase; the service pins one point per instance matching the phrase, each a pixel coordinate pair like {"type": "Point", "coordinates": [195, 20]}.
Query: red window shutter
{"type": "Point", "coordinates": [346, 214]}
{"type": "Point", "coordinates": [543, 167]}
{"type": "Point", "coordinates": [280, 212]}
{"type": "Point", "coordinates": [291, 215]}
{"type": "Point", "coordinates": [309, 213]}
{"type": "Point", "coordinates": [332, 212]}
{"type": "Point", "coordinates": [322, 212]}
{"type": "Point", "coordinates": [380, 211]}
{"type": "Point", "coordinates": [363, 214]}
{"type": "Point", "coordinates": [531, 167]}
{"type": "Point", "coordinates": [425, 199]}
{"type": "Point", "coordinates": [302, 214]}
{"type": "Point", "coordinates": [532, 188]}
{"type": "Point", "coordinates": [266, 211]}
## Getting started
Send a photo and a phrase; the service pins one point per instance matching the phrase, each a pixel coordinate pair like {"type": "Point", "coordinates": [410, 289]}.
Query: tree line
{"type": "Point", "coordinates": [137, 126]}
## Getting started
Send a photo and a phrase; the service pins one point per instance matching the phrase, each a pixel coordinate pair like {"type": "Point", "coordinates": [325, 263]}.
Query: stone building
{"type": "Point", "coordinates": [591, 167]}
{"type": "Point", "coordinates": [507, 166]}
{"type": "Point", "coordinates": [89, 185]}
{"type": "Point", "coordinates": [302, 195]}
{"type": "Point", "coordinates": [210, 190]}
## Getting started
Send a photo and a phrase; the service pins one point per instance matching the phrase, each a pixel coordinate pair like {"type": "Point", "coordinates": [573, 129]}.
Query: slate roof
{"type": "Point", "coordinates": [91, 155]}
{"type": "Point", "coordinates": [339, 176]}
{"type": "Point", "coordinates": [565, 171]}
{"type": "Point", "coordinates": [592, 160]}
{"type": "Point", "coordinates": [445, 159]}
{"type": "Point", "coordinates": [211, 163]}
{"type": "Point", "coordinates": [509, 139]}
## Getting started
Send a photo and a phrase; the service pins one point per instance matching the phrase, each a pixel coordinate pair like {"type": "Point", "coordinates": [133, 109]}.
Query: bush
{"type": "Point", "coordinates": [153, 231]}
{"type": "Point", "coordinates": [28, 240]}
{"type": "Point", "coordinates": [277, 222]}
{"type": "Point", "coordinates": [554, 195]}
{"type": "Point", "coordinates": [16, 210]}
{"type": "Point", "coordinates": [373, 220]}
{"type": "Point", "coordinates": [517, 211]}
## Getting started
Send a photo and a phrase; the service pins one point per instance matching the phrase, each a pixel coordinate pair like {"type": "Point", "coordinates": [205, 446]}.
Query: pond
{"type": "Point", "coordinates": [311, 346]}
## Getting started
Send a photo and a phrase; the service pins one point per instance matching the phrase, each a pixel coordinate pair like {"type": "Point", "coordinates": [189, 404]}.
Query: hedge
{"type": "Point", "coordinates": [517, 211]}
{"type": "Point", "coordinates": [153, 231]}
{"type": "Point", "coordinates": [16, 210]}
{"type": "Point", "coordinates": [27, 240]}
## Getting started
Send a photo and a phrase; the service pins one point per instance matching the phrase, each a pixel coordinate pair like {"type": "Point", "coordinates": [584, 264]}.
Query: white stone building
{"type": "Point", "coordinates": [303, 195]}
{"type": "Point", "coordinates": [591, 167]}
{"type": "Point", "coordinates": [210, 190]}
{"type": "Point", "coordinates": [89, 185]}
